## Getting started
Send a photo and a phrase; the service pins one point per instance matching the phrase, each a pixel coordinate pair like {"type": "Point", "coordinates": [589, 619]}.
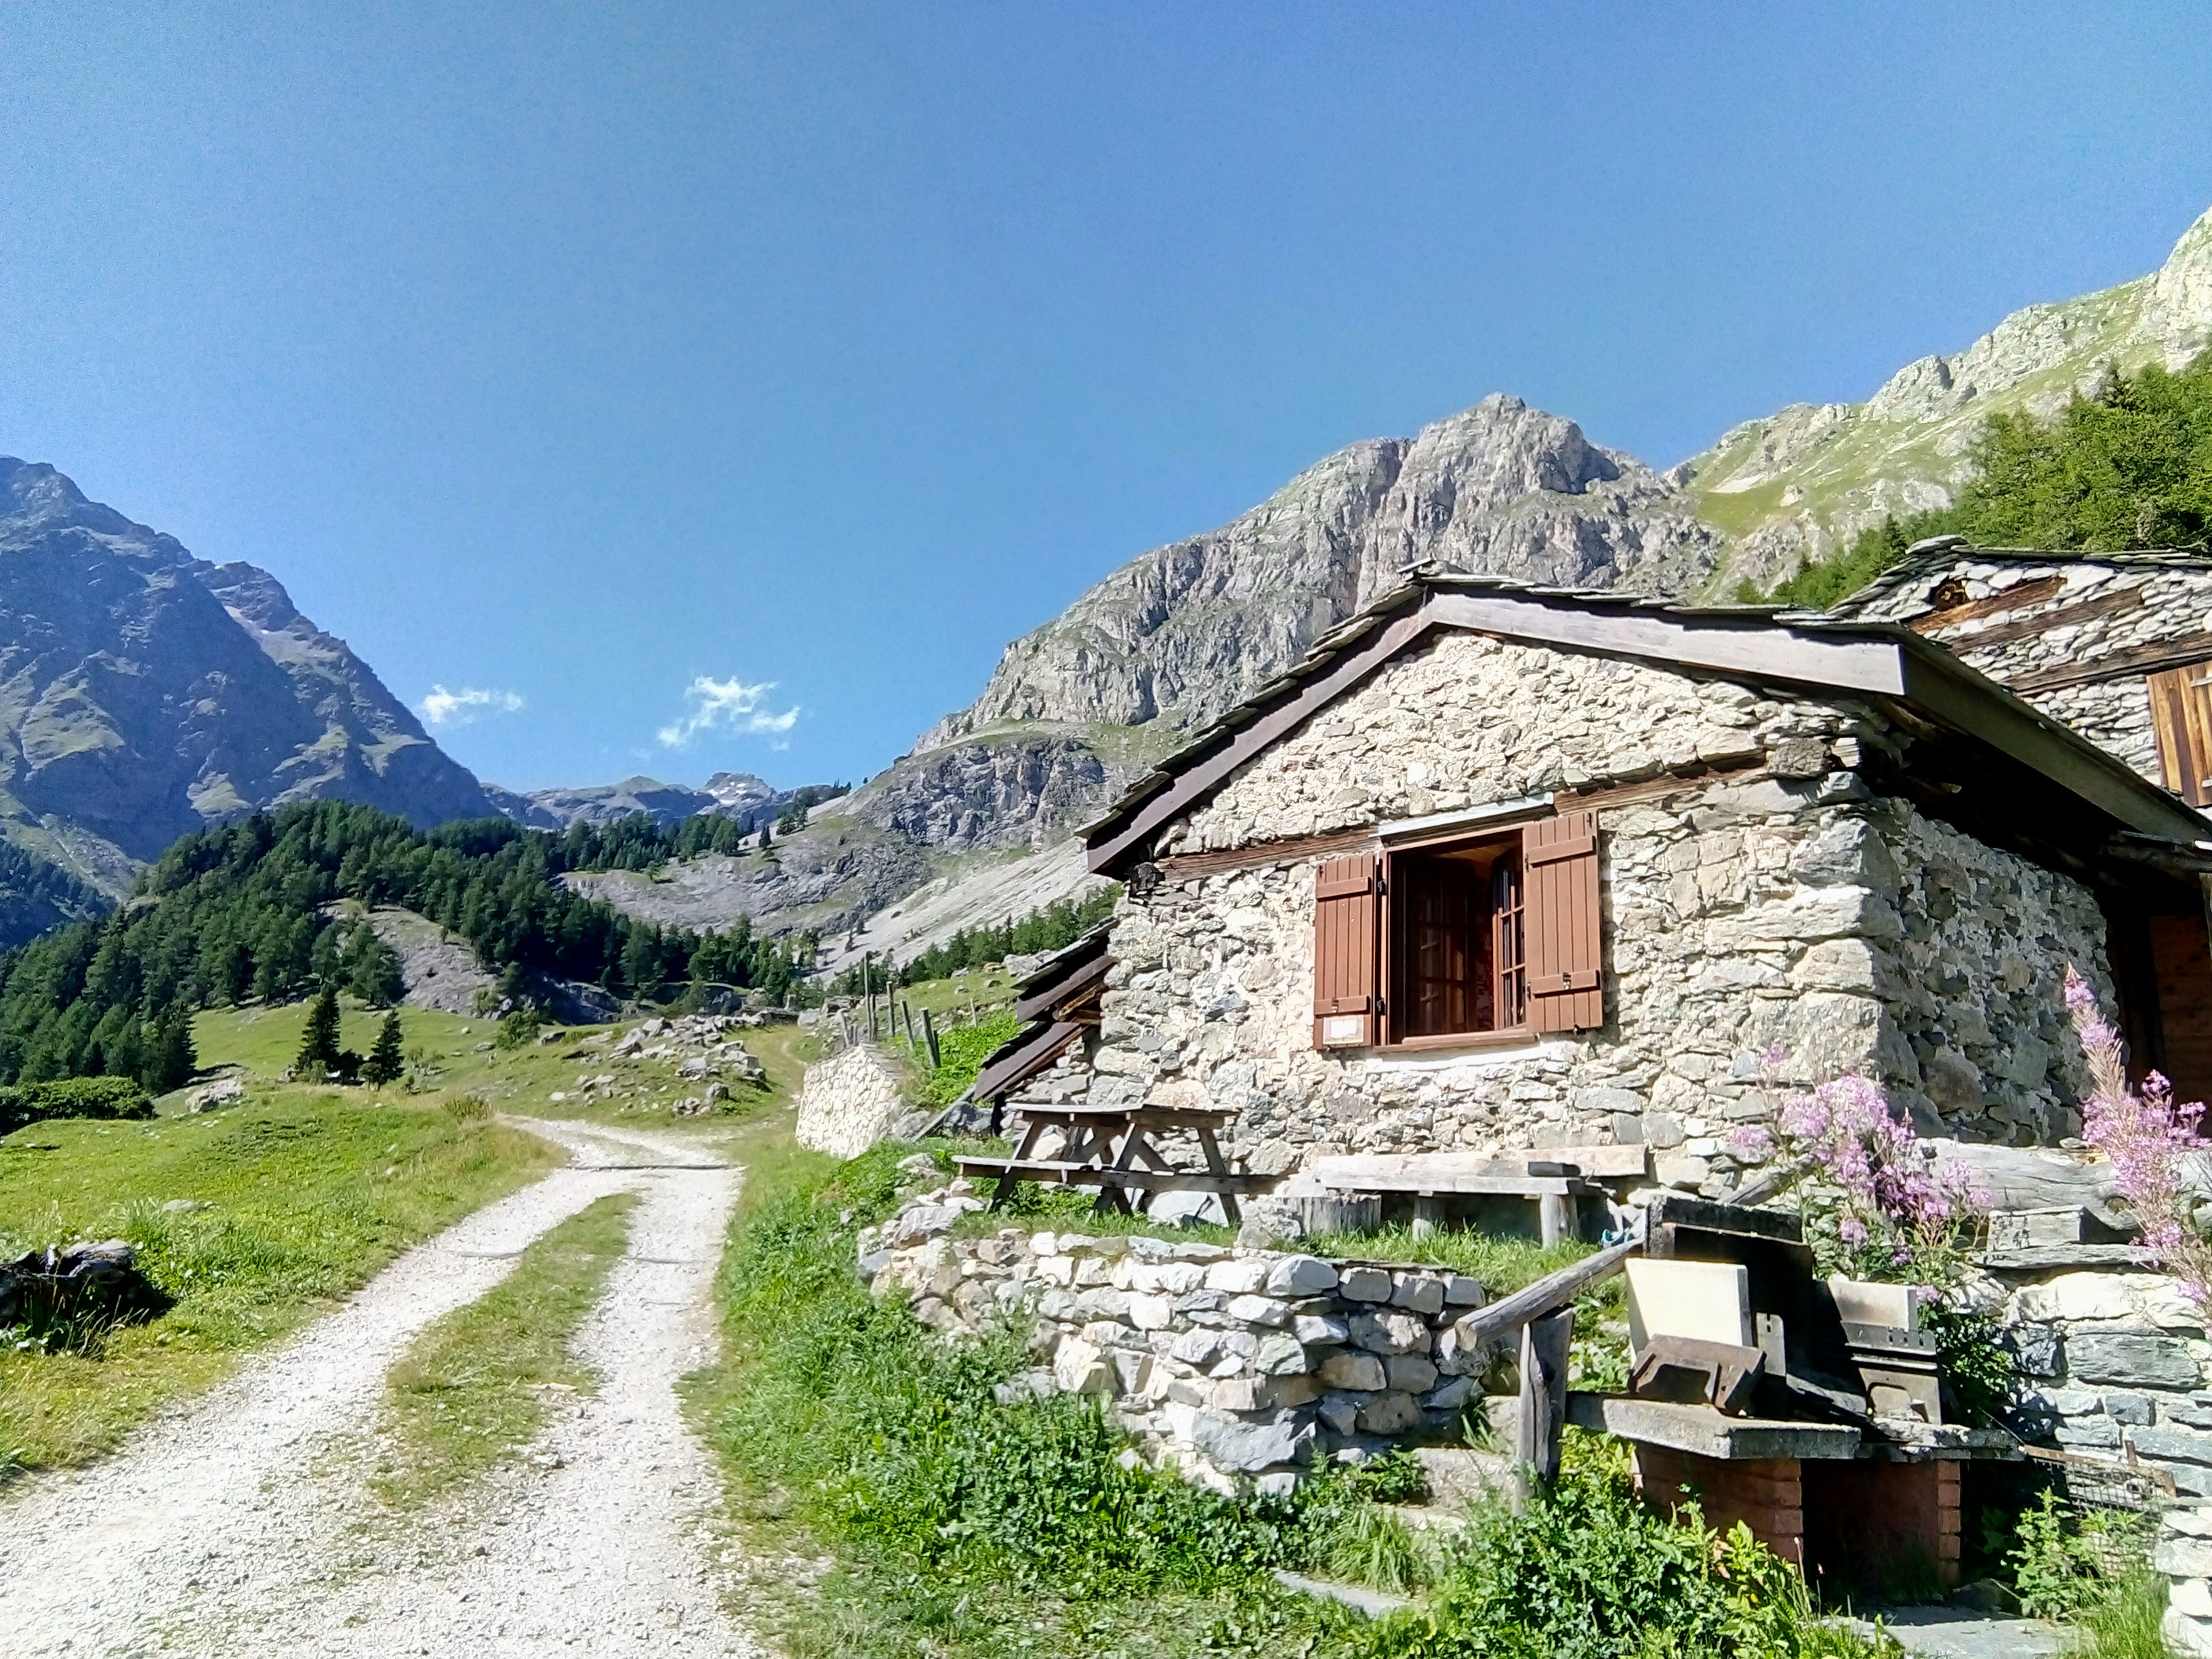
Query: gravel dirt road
{"type": "Point", "coordinates": [240, 1525]}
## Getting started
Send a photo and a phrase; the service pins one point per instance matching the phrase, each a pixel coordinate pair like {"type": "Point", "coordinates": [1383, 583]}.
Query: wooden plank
{"type": "Point", "coordinates": [1605, 796]}
{"type": "Point", "coordinates": [1704, 1432]}
{"type": "Point", "coordinates": [1013, 1066]}
{"type": "Point", "coordinates": [1266, 854]}
{"type": "Point", "coordinates": [1205, 774]}
{"type": "Point", "coordinates": [1589, 1163]}
{"type": "Point", "coordinates": [1853, 660]}
{"type": "Point", "coordinates": [2105, 604]}
{"type": "Point", "coordinates": [1053, 1172]}
{"type": "Point", "coordinates": [2012, 598]}
{"type": "Point", "coordinates": [1509, 1313]}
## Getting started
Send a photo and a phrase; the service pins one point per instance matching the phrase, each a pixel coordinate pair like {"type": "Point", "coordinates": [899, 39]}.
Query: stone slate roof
{"type": "Point", "coordinates": [1879, 661]}
{"type": "Point", "coordinates": [1924, 559]}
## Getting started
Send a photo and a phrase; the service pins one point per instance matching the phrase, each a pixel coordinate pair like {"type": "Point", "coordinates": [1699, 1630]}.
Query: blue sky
{"type": "Point", "coordinates": [713, 386]}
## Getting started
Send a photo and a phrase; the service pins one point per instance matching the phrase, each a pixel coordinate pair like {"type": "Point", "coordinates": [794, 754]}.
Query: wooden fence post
{"type": "Point", "coordinates": [1544, 1346]}
{"type": "Point", "coordinates": [929, 1037]}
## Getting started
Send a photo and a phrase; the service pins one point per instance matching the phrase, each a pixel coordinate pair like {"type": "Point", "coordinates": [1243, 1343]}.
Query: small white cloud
{"type": "Point", "coordinates": [443, 708]}
{"type": "Point", "coordinates": [713, 705]}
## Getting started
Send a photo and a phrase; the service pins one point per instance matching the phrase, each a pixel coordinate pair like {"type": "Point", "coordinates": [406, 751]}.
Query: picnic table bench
{"type": "Point", "coordinates": [1112, 1148]}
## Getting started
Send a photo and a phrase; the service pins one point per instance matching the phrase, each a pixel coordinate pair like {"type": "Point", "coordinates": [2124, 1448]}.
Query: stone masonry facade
{"type": "Point", "coordinates": [1777, 903]}
{"type": "Point", "coordinates": [2175, 602]}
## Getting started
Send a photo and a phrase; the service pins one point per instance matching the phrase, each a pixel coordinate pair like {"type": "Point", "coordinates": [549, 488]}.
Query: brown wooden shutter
{"type": "Point", "coordinates": [1347, 906]}
{"type": "Point", "coordinates": [2181, 714]}
{"type": "Point", "coordinates": [1558, 874]}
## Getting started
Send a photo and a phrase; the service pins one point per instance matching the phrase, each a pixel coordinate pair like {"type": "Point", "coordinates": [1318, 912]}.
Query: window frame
{"type": "Point", "coordinates": [1507, 834]}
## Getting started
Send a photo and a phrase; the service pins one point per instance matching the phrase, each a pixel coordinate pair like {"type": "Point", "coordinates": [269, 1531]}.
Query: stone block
{"type": "Point", "coordinates": [1258, 1310]}
{"type": "Point", "coordinates": [1353, 1370]}
{"type": "Point", "coordinates": [2037, 1350]}
{"type": "Point", "coordinates": [1364, 1285]}
{"type": "Point", "coordinates": [2132, 1359]}
{"type": "Point", "coordinates": [1301, 1275]}
{"type": "Point", "coordinates": [2191, 1597]}
{"type": "Point", "coordinates": [1280, 1356]}
{"type": "Point", "coordinates": [2130, 1408]}
{"type": "Point", "coordinates": [1320, 1330]}
{"type": "Point", "coordinates": [2182, 1556]}
{"type": "Point", "coordinates": [1340, 1411]}
{"type": "Point", "coordinates": [1238, 1276]}
{"type": "Point", "coordinates": [1389, 1333]}
{"type": "Point", "coordinates": [1410, 1373]}
{"type": "Point", "coordinates": [2189, 1636]}
{"type": "Point", "coordinates": [1390, 1413]}
{"type": "Point", "coordinates": [1151, 1313]}
{"type": "Point", "coordinates": [2088, 1434]}
{"type": "Point", "coordinates": [1197, 1347]}
{"type": "Point", "coordinates": [1285, 1391]}
{"type": "Point", "coordinates": [2068, 1298]}
{"type": "Point", "coordinates": [1417, 1293]}
{"type": "Point", "coordinates": [1461, 1291]}
{"type": "Point", "coordinates": [1449, 1396]}
{"type": "Point", "coordinates": [2172, 1446]}
{"type": "Point", "coordinates": [1079, 1368]}
{"type": "Point", "coordinates": [1241, 1448]}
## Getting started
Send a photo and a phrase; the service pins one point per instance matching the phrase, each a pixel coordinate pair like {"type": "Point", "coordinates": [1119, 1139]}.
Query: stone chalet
{"type": "Point", "coordinates": [1500, 867]}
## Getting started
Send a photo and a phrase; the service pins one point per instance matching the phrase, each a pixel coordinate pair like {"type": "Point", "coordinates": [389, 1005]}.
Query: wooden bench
{"type": "Point", "coordinates": [1111, 1148]}
{"type": "Point", "coordinates": [1553, 1178]}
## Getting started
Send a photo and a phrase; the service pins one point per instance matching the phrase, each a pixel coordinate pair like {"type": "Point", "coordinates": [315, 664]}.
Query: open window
{"type": "Point", "coordinates": [2181, 715]}
{"type": "Point", "coordinates": [1455, 940]}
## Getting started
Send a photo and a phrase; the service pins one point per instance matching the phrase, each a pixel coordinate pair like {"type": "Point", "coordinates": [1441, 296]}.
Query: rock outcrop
{"type": "Point", "coordinates": [1802, 482]}
{"type": "Point", "coordinates": [146, 693]}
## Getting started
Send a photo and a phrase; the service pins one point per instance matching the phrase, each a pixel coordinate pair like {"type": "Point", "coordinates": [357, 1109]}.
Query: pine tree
{"type": "Point", "coordinates": [319, 1043]}
{"type": "Point", "coordinates": [385, 1063]}
{"type": "Point", "coordinates": [170, 1058]}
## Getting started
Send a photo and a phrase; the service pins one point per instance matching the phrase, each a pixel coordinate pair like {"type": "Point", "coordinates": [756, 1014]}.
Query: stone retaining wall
{"type": "Point", "coordinates": [1226, 1363]}
{"type": "Point", "coordinates": [2114, 1360]}
{"type": "Point", "coordinates": [2184, 1556]}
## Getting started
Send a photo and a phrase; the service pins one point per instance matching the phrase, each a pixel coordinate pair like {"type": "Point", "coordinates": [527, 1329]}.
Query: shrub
{"type": "Point", "coordinates": [2068, 1562]}
{"type": "Point", "coordinates": [517, 1030]}
{"type": "Point", "coordinates": [73, 1097]}
{"type": "Point", "coordinates": [1589, 1572]}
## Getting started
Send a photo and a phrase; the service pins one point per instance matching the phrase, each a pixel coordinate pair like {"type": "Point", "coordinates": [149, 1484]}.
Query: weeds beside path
{"type": "Point", "coordinates": [242, 1527]}
{"type": "Point", "coordinates": [253, 1219]}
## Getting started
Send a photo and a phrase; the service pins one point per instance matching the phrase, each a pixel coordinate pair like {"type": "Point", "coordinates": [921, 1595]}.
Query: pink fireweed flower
{"type": "Point", "coordinates": [2144, 1133]}
{"type": "Point", "coordinates": [1752, 1144]}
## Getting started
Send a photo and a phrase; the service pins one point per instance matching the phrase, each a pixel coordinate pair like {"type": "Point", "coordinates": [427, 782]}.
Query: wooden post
{"type": "Point", "coordinates": [1553, 1210]}
{"type": "Point", "coordinates": [1544, 1346]}
{"type": "Point", "coordinates": [1428, 1214]}
{"type": "Point", "coordinates": [929, 1037]}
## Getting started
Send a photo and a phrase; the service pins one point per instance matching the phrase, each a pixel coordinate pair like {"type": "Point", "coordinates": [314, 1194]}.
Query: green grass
{"type": "Point", "coordinates": [2125, 1625]}
{"type": "Point", "coordinates": [471, 1389]}
{"type": "Point", "coordinates": [253, 1217]}
{"type": "Point", "coordinates": [451, 1055]}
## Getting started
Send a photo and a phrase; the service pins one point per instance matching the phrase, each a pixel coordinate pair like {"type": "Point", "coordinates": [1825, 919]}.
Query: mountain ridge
{"type": "Point", "coordinates": [145, 693]}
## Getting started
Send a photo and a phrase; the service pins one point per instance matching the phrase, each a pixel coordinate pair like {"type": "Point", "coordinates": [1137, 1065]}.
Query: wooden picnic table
{"type": "Point", "coordinates": [1112, 1148]}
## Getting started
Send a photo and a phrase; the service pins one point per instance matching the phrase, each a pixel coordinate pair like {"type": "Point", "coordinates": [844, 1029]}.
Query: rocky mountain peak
{"type": "Point", "coordinates": [2180, 308]}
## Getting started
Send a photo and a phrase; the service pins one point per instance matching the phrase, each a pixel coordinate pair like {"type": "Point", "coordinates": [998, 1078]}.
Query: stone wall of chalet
{"type": "Point", "coordinates": [2175, 602]}
{"type": "Point", "coordinates": [1777, 905]}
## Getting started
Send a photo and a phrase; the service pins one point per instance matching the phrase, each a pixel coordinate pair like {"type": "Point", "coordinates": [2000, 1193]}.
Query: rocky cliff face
{"type": "Point", "coordinates": [144, 693]}
{"type": "Point", "coordinates": [1187, 630]}
{"type": "Point", "coordinates": [1801, 482]}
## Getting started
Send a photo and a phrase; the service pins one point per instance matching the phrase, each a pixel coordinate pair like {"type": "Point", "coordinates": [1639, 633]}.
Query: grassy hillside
{"type": "Point", "coordinates": [255, 1216]}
